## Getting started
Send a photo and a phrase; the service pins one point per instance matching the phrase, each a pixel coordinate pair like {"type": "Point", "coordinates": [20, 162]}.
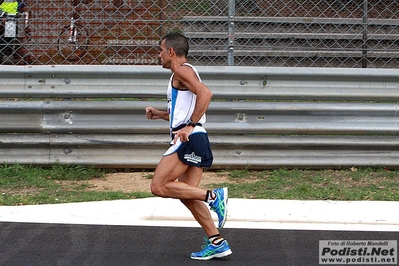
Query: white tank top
{"type": "Point", "coordinates": [181, 103]}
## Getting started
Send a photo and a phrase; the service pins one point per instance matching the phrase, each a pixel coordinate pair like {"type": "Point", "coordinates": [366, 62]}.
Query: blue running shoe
{"type": "Point", "coordinates": [210, 251]}
{"type": "Point", "coordinates": [219, 205]}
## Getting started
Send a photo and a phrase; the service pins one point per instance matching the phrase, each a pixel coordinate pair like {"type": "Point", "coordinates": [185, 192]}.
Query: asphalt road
{"type": "Point", "coordinates": [29, 244]}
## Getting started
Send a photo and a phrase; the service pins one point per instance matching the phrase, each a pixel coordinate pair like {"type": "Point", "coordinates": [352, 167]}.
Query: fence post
{"type": "Point", "coordinates": [230, 47]}
{"type": "Point", "coordinates": [364, 49]}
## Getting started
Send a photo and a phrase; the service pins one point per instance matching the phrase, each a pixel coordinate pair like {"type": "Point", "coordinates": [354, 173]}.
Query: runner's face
{"type": "Point", "coordinates": [164, 56]}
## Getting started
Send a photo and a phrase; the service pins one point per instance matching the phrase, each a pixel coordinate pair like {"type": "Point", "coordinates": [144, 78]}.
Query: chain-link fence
{"type": "Point", "coordinates": [296, 33]}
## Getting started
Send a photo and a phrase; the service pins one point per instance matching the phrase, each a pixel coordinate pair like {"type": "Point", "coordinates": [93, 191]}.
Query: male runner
{"type": "Point", "coordinates": [179, 172]}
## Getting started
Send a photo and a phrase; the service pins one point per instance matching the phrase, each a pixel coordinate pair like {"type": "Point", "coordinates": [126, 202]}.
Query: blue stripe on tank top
{"type": "Point", "coordinates": [175, 92]}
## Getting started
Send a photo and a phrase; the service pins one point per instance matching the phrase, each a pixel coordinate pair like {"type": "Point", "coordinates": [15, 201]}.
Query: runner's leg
{"type": "Point", "coordinates": [199, 210]}
{"type": "Point", "coordinates": [163, 183]}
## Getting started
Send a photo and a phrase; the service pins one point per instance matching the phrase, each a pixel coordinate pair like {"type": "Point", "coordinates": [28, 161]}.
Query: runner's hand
{"type": "Point", "coordinates": [183, 134]}
{"type": "Point", "coordinates": [152, 113]}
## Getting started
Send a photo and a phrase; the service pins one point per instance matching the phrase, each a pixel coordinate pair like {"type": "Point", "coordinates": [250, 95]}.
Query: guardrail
{"type": "Point", "coordinates": [260, 118]}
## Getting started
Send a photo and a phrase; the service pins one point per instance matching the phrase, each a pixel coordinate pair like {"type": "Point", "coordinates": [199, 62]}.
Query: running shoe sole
{"type": "Point", "coordinates": [225, 200]}
{"type": "Point", "coordinates": [217, 256]}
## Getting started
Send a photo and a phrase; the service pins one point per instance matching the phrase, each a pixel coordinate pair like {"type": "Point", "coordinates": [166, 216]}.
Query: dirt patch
{"type": "Point", "coordinates": [140, 182]}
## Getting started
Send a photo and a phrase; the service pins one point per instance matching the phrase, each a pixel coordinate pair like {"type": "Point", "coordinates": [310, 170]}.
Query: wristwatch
{"type": "Point", "coordinates": [191, 123]}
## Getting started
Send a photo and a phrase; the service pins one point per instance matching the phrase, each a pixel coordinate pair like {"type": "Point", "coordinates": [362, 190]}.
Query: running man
{"type": "Point", "coordinates": [188, 100]}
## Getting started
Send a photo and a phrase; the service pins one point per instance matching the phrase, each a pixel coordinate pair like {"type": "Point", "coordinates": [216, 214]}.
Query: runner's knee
{"type": "Point", "coordinates": [156, 189]}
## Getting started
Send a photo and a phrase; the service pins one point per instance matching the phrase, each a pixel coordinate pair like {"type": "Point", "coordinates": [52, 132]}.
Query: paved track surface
{"type": "Point", "coordinates": [157, 231]}
{"type": "Point", "coordinates": [23, 244]}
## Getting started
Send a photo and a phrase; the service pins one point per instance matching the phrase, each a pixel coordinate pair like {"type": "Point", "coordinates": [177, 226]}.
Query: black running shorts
{"type": "Point", "coordinates": [196, 151]}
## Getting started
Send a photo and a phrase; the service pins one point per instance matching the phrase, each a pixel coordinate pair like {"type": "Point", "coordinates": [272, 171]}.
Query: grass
{"type": "Point", "coordinates": [350, 184]}
{"type": "Point", "coordinates": [26, 185]}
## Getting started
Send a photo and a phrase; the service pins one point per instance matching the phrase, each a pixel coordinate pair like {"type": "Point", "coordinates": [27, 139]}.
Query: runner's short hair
{"type": "Point", "coordinates": [178, 42]}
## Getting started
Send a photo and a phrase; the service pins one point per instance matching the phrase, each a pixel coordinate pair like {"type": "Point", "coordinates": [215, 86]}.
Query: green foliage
{"type": "Point", "coordinates": [62, 196]}
{"type": "Point", "coordinates": [22, 185]}
{"type": "Point", "coordinates": [239, 173]}
{"type": "Point", "coordinates": [74, 172]}
{"type": "Point", "coordinates": [347, 185]}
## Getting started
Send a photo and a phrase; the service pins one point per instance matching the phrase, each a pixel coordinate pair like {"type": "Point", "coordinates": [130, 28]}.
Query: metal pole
{"type": "Point", "coordinates": [230, 46]}
{"type": "Point", "coordinates": [365, 15]}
